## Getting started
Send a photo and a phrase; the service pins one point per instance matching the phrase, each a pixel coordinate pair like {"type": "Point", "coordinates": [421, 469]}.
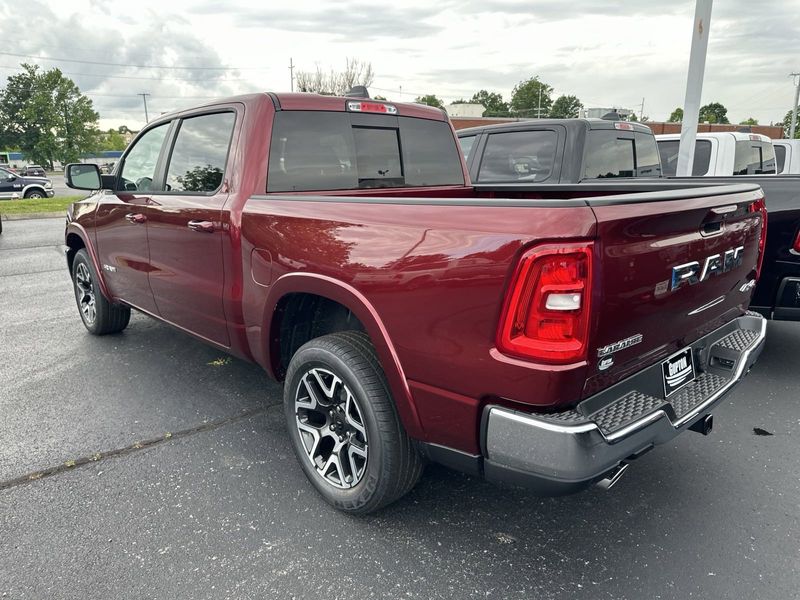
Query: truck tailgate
{"type": "Point", "coordinates": [671, 267]}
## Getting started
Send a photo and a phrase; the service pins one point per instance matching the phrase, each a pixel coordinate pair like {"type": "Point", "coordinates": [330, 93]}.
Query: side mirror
{"type": "Point", "coordinates": [83, 176]}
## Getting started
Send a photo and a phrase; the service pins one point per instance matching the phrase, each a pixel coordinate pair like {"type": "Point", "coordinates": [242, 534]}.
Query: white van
{"type": "Point", "coordinates": [787, 153]}
{"type": "Point", "coordinates": [726, 153]}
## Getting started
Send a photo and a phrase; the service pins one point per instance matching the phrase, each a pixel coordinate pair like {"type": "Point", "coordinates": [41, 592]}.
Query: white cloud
{"type": "Point", "coordinates": [606, 53]}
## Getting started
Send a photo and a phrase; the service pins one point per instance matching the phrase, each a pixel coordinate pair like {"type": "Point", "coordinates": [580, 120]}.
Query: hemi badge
{"type": "Point", "coordinates": [109, 268]}
{"type": "Point", "coordinates": [620, 345]}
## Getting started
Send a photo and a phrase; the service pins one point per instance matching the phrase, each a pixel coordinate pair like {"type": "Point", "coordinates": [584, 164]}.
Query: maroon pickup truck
{"type": "Point", "coordinates": [545, 338]}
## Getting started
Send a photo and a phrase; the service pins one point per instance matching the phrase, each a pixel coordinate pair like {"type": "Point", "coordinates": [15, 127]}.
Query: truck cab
{"type": "Point", "coordinates": [559, 151]}
{"type": "Point", "coordinates": [725, 153]}
{"type": "Point", "coordinates": [787, 155]}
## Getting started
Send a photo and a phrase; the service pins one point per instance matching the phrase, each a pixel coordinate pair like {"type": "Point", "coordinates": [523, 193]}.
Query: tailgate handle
{"type": "Point", "coordinates": [712, 228]}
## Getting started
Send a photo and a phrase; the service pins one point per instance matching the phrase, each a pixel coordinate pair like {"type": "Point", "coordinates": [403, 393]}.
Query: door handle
{"type": "Point", "coordinates": [136, 218]}
{"type": "Point", "coordinates": [201, 226]}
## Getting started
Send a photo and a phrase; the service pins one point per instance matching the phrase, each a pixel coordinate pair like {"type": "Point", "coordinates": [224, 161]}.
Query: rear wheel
{"type": "Point", "coordinates": [344, 427]}
{"type": "Point", "coordinates": [98, 314]}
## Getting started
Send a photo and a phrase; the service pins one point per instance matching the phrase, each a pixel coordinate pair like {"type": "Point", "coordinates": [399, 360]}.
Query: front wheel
{"type": "Point", "coordinates": [344, 427]}
{"type": "Point", "coordinates": [98, 314]}
{"type": "Point", "coordinates": [33, 194]}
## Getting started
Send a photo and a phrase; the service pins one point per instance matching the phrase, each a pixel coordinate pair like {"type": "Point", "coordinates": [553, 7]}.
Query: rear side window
{"type": "Point", "coordinates": [466, 144]}
{"type": "Point", "coordinates": [780, 157]}
{"type": "Point", "coordinates": [198, 157]}
{"type": "Point", "coordinates": [754, 158]}
{"type": "Point", "coordinates": [315, 150]}
{"type": "Point", "coordinates": [519, 156]}
{"type": "Point", "coordinates": [668, 149]}
{"type": "Point", "coordinates": [616, 153]}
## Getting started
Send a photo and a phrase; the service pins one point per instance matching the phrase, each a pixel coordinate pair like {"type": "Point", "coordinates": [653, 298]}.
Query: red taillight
{"type": "Point", "coordinates": [375, 107]}
{"type": "Point", "coordinates": [760, 206]}
{"type": "Point", "coordinates": [796, 244]}
{"type": "Point", "coordinates": [546, 316]}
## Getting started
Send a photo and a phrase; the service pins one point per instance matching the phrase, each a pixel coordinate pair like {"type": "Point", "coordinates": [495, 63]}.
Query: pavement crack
{"type": "Point", "coordinates": [96, 457]}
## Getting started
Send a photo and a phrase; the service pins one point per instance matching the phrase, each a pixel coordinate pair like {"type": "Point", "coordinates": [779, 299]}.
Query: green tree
{"type": "Point", "coordinates": [676, 116]}
{"type": "Point", "coordinates": [492, 102]}
{"type": "Point", "coordinates": [532, 98]}
{"type": "Point", "coordinates": [714, 112]}
{"type": "Point", "coordinates": [45, 115]}
{"type": "Point", "coordinates": [430, 100]}
{"type": "Point", "coordinates": [111, 140]}
{"type": "Point", "coordinates": [566, 107]}
{"type": "Point", "coordinates": [787, 124]}
{"type": "Point", "coordinates": [749, 121]}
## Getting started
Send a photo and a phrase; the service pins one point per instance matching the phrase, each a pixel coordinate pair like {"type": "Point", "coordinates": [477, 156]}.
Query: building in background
{"type": "Point", "coordinates": [466, 109]}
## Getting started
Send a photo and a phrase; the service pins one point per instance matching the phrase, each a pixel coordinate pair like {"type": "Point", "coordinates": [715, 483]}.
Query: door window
{"type": "Point", "coordinates": [139, 167]}
{"type": "Point", "coordinates": [466, 144]}
{"type": "Point", "coordinates": [780, 156]}
{"type": "Point", "coordinates": [198, 158]}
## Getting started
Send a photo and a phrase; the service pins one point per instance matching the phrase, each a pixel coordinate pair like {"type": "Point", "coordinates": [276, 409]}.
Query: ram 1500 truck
{"type": "Point", "coordinates": [557, 151]}
{"type": "Point", "coordinates": [542, 338]}
{"type": "Point", "coordinates": [598, 153]}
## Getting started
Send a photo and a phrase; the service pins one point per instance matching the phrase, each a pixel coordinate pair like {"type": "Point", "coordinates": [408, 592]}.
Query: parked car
{"type": "Point", "coordinates": [787, 155]}
{"type": "Point", "coordinates": [13, 185]}
{"type": "Point", "coordinates": [559, 335]}
{"type": "Point", "coordinates": [33, 171]}
{"type": "Point", "coordinates": [559, 151]}
{"type": "Point", "coordinates": [727, 153]}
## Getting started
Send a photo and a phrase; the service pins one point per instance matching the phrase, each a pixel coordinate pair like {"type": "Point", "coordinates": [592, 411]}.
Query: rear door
{"type": "Point", "coordinates": [670, 270]}
{"type": "Point", "coordinates": [185, 226]}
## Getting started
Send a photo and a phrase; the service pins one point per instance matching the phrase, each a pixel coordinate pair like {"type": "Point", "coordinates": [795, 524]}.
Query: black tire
{"type": "Point", "coordinates": [32, 194]}
{"type": "Point", "coordinates": [392, 464]}
{"type": "Point", "coordinates": [99, 315]}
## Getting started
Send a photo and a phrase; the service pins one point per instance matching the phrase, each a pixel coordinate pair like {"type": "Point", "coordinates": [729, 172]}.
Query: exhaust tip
{"type": "Point", "coordinates": [704, 425]}
{"type": "Point", "coordinates": [612, 477]}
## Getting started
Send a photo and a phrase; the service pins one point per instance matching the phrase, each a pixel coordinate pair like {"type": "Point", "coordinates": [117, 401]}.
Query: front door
{"type": "Point", "coordinates": [10, 185]}
{"type": "Point", "coordinates": [121, 223]}
{"type": "Point", "coordinates": [185, 231]}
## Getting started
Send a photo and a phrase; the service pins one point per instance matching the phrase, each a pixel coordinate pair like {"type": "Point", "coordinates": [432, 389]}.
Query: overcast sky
{"type": "Point", "coordinates": [607, 53]}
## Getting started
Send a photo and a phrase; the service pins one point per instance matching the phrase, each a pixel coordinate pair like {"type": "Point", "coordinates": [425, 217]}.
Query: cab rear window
{"type": "Point", "coordinates": [669, 157]}
{"type": "Point", "coordinates": [620, 153]}
{"type": "Point", "coordinates": [754, 158]}
{"type": "Point", "coordinates": [316, 150]}
{"type": "Point", "coordinates": [519, 156]}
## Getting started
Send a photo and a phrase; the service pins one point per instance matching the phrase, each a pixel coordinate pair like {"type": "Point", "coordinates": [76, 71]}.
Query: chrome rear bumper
{"type": "Point", "coordinates": [566, 451]}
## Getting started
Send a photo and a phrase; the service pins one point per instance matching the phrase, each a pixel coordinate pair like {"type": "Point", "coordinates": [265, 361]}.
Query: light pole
{"type": "Point", "coordinates": [794, 106]}
{"type": "Point", "coordinates": [694, 86]}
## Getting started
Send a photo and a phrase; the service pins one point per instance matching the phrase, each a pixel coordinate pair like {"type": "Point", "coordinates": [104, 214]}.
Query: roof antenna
{"type": "Point", "coordinates": [358, 91]}
{"type": "Point", "coordinates": [611, 116]}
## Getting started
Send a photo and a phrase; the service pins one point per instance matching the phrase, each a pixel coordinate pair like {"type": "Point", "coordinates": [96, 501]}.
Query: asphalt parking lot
{"type": "Point", "coordinates": [190, 488]}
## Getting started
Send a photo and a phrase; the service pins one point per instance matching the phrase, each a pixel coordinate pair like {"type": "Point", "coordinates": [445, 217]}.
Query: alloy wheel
{"type": "Point", "coordinates": [331, 427]}
{"type": "Point", "coordinates": [84, 290]}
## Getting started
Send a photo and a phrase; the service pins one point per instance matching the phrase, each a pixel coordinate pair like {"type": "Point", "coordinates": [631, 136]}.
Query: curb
{"type": "Point", "coordinates": [25, 216]}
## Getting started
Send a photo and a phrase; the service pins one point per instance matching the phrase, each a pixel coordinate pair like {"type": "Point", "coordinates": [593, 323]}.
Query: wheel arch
{"type": "Point", "coordinates": [350, 299]}
{"type": "Point", "coordinates": [34, 186]}
{"type": "Point", "coordinates": [76, 238]}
